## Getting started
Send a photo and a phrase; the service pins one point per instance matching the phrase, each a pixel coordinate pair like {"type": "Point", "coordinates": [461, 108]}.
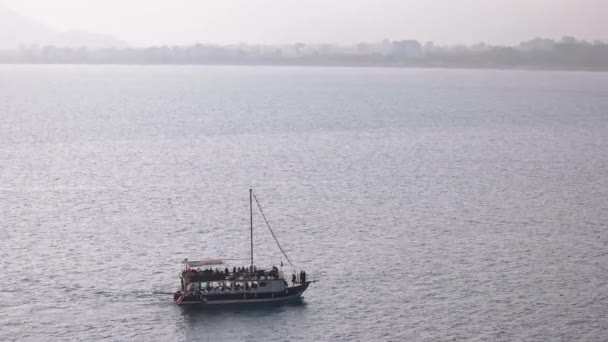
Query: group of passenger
{"type": "Point", "coordinates": [219, 272]}
{"type": "Point", "coordinates": [224, 272]}
{"type": "Point", "coordinates": [237, 273]}
{"type": "Point", "coordinates": [273, 273]}
{"type": "Point", "coordinates": [298, 278]}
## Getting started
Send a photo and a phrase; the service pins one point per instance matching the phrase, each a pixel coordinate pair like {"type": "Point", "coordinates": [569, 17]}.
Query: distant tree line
{"type": "Point", "coordinates": [566, 54]}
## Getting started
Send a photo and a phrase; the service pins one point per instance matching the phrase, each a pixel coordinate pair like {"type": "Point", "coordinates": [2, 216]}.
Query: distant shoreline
{"type": "Point", "coordinates": [567, 54]}
{"type": "Point", "coordinates": [329, 65]}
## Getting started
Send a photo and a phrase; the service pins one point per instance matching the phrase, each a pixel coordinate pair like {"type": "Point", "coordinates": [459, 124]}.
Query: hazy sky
{"type": "Point", "coordinates": [154, 22]}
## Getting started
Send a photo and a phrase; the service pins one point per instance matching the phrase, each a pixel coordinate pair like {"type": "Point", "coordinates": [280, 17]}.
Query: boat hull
{"type": "Point", "coordinates": [291, 294]}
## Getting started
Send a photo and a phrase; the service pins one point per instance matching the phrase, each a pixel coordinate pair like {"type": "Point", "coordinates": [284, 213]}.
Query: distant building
{"type": "Point", "coordinates": [429, 47]}
{"type": "Point", "coordinates": [363, 48]}
{"type": "Point", "coordinates": [481, 47]}
{"type": "Point", "coordinates": [537, 44]}
{"type": "Point", "coordinates": [569, 40]}
{"type": "Point", "coordinates": [406, 49]}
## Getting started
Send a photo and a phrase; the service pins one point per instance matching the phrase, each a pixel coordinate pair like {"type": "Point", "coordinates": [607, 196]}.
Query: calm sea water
{"type": "Point", "coordinates": [432, 205]}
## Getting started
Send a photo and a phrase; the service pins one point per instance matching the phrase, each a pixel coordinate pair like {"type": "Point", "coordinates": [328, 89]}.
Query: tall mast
{"type": "Point", "coordinates": [251, 225]}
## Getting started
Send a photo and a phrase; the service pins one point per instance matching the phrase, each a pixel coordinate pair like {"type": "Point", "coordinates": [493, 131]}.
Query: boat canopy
{"type": "Point", "coordinates": [199, 263]}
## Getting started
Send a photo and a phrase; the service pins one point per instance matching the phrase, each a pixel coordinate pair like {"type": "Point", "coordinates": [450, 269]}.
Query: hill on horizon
{"type": "Point", "coordinates": [17, 30]}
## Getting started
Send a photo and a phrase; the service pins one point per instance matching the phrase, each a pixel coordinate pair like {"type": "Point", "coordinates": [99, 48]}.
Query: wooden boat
{"type": "Point", "coordinates": [212, 281]}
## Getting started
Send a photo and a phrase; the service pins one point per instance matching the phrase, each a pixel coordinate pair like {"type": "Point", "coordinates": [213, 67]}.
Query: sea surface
{"type": "Point", "coordinates": [430, 205]}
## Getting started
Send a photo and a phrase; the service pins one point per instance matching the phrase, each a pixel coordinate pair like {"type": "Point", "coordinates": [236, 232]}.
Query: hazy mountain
{"type": "Point", "coordinates": [17, 30]}
{"type": "Point", "coordinates": [78, 38]}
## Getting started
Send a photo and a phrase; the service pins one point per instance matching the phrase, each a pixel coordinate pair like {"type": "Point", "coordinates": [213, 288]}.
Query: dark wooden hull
{"type": "Point", "coordinates": [291, 293]}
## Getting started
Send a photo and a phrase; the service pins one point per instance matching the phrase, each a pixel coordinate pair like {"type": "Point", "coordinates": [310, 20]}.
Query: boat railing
{"type": "Point", "coordinates": [310, 277]}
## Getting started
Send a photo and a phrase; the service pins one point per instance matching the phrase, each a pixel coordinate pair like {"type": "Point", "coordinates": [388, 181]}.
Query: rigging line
{"type": "Point", "coordinates": [271, 231]}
